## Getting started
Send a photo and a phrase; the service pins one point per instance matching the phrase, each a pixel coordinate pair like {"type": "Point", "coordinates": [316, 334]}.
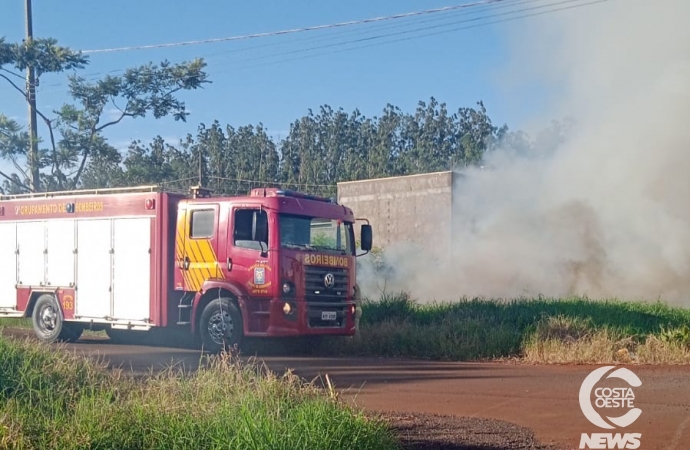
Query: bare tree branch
{"type": "Point", "coordinates": [21, 77]}
{"type": "Point", "coordinates": [12, 180]}
{"type": "Point", "coordinates": [112, 99]}
{"type": "Point", "coordinates": [95, 130]}
{"type": "Point", "coordinates": [114, 122]}
{"type": "Point", "coordinates": [49, 124]}
{"type": "Point", "coordinates": [17, 166]}
{"type": "Point", "coordinates": [47, 121]}
{"type": "Point", "coordinates": [75, 180]}
{"type": "Point", "coordinates": [21, 91]}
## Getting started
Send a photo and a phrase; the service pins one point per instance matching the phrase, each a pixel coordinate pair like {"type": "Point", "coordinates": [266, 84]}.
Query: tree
{"type": "Point", "coordinates": [140, 91]}
{"type": "Point", "coordinates": [320, 150]}
{"type": "Point", "coordinates": [12, 142]}
{"type": "Point", "coordinates": [476, 134]}
{"type": "Point", "coordinates": [45, 56]}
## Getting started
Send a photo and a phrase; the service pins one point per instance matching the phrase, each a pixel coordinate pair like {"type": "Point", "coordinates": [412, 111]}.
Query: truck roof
{"type": "Point", "coordinates": [197, 192]}
{"type": "Point", "coordinates": [281, 199]}
{"type": "Point", "coordinates": [287, 201]}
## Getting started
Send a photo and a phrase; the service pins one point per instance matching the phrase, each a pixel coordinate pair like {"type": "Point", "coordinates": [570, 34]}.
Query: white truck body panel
{"type": "Point", "coordinates": [132, 268]}
{"type": "Point", "coordinates": [93, 249]}
{"type": "Point", "coordinates": [60, 258]}
{"type": "Point", "coordinates": [31, 243]}
{"type": "Point", "coordinates": [93, 295]}
{"type": "Point", "coordinates": [106, 260]}
{"type": "Point", "coordinates": [8, 265]}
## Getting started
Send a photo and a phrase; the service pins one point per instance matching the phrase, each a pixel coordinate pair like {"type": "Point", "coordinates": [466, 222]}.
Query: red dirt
{"type": "Point", "coordinates": [524, 399]}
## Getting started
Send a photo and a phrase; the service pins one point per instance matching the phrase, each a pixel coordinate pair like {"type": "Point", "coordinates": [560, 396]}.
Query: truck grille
{"type": "Point", "coordinates": [322, 299]}
{"type": "Point", "coordinates": [315, 289]}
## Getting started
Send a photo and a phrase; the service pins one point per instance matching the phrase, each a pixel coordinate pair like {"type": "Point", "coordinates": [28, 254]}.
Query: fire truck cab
{"type": "Point", "coordinates": [274, 263]}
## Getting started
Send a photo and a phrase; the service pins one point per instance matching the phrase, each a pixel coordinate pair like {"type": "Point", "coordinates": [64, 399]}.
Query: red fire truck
{"type": "Point", "coordinates": [274, 263]}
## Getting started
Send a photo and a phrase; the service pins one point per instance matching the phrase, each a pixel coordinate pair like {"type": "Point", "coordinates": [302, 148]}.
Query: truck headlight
{"type": "Point", "coordinates": [287, 288]}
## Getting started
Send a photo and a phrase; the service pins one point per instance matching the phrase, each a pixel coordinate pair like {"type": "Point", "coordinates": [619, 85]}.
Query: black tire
{"type": "Point", "coordinates": [213, 337]}
{"type": "Point", "coordinates": [48, 322]}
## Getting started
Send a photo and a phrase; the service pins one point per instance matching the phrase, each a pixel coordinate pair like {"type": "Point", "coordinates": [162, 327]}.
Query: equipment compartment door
{"type": "Point", "coordinates": [60, 256]}
{"type": "Point", "coordinates": [132, 269]}
{"type": "Point", "coordinates": [8, 265]}
{"type": "Point", "coordinates": [31, 261]}
{"type": "Point", "coordinates": [93, 268]}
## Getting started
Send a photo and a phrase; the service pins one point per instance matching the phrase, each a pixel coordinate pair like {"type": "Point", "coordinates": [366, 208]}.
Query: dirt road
{"type": "Point", "coordinates": [543, 399]}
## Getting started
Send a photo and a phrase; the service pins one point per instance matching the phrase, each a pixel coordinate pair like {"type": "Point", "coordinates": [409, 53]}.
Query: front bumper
{"type": "Point", "coordinates": [311, 318]}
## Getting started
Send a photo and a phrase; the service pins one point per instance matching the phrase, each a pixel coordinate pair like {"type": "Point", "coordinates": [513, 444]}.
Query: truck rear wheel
{"type": "Point", "coordinates": [49, 324]}
{"type": "Point", "coordinates": [220, 326]}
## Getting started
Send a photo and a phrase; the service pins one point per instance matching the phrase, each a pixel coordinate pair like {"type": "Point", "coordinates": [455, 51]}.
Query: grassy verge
{"type": "Point", "coordinates": [57, 400]}
{"type": "Point", "coordinates": [15, 323]}
{"type": "Point", "coordinates": [575, 330]}
{"type": "Point", "coordinates": [25, 324]}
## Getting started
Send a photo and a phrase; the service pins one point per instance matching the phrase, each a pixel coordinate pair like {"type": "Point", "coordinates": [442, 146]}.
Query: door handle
{"type": "Point", "coordinates": [229, 262]}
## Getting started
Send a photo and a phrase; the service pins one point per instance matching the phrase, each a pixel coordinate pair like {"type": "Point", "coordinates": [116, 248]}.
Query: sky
{"type": "Point", "coordinates": [276, 80]}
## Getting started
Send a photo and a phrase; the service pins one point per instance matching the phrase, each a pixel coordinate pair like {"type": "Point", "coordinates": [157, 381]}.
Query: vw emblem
{"type": "Point", "coordinates": [329, 280]}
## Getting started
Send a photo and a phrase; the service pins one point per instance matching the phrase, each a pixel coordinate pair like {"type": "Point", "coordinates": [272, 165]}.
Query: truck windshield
{"type": "Point", "coordinates": [315, 233]}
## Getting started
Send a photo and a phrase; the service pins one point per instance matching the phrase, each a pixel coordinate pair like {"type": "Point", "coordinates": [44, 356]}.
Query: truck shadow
{"type": "Point", "coordinates": [162, 338]}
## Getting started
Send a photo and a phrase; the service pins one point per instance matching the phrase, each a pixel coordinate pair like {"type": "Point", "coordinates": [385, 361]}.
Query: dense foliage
{"type": "Point", "coordinates": [320, 149]}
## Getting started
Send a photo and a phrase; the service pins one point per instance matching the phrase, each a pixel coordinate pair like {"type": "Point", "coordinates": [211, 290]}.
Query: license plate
{"type": "Point", "coordinates": [328, 315]}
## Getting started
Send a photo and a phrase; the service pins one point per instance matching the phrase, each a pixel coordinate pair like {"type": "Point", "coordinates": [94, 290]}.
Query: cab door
{"type": "Point", "coordinates": [196, 246]}
{"type": "Point", "coordinates": [247, 247]}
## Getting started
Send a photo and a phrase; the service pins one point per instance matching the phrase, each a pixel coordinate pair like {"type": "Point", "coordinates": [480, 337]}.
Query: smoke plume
{"type": "Point", "coordinates": [604, 211]}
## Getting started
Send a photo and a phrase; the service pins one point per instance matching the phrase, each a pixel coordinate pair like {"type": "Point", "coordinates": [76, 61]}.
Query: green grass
{"type": "Point", "coordinates": [56, 400]}
{"type": "Point", "coordinates": [477, 329]}
{"type": "Point", "coordinates": [15, 322]}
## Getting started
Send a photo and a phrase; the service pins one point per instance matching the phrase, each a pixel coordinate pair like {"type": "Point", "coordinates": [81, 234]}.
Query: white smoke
{"type": "Point", "coordinates": [607, 212]}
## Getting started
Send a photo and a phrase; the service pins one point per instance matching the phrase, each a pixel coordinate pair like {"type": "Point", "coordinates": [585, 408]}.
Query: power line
{"type": "Point", "coordinates": [482, 17]}
{"type": "Point", "coordinates": [373, 28]}
{"type": "Point", "coordinates": [376, 27]}
{"type": "Point", "coordinates": [430, 27]}
{"type": "Point", "coordinates": [480, 7]}
{"type": "Point", "coordinates": [427, 34]}
{"type": "Point", "coordinates": [294, 30]}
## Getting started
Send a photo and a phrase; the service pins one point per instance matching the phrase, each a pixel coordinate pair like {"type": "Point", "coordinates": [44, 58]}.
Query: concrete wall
{"type": "Point", "coordinates": [414, 208]}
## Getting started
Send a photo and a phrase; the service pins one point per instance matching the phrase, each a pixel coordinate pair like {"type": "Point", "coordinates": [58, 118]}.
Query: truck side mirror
{"type": "Point", "coordinates": [366, 235]}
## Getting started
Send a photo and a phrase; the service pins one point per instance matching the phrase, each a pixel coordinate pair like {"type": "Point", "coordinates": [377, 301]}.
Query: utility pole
{"type": "Point", "coordinates": [34, 182]}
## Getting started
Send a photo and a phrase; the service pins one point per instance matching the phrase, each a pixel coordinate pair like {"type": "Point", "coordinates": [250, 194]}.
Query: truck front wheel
{"type": "Point", "coordinates": [220, 326]}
